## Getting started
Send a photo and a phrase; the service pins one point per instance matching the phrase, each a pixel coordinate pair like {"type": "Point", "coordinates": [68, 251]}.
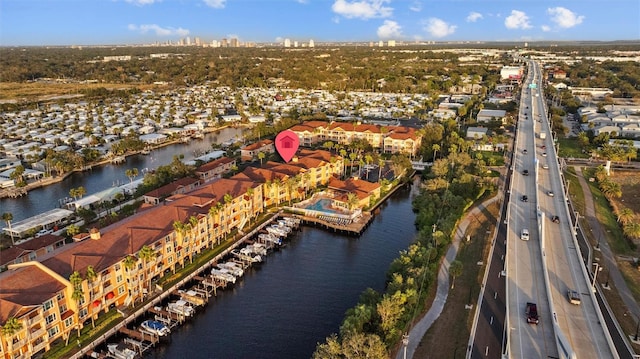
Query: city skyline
{"type": "Point", "coordinates": [110, 22]}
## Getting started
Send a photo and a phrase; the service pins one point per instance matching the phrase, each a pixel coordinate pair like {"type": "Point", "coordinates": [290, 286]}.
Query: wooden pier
{"type": "Point", "coordinates": [140, 336]}
{"type": "Point", "coordinates": [354, 228]}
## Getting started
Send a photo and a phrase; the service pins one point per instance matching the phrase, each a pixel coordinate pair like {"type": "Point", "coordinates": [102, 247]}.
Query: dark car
{"type": "Point", "coordinates": [555, 219]}
{"type": "Point", "coordinates": [525, 198]}
{"type": "Point", "coordinates": [532, 313]}
{"type": "Point", "coordinates": [525, 172]}
{"type": "Point", "coordinates": [525, 151]}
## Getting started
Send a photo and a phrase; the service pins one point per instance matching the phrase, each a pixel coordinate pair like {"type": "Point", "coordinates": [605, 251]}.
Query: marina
{"type": "Point", "coordinates": [194, 292]}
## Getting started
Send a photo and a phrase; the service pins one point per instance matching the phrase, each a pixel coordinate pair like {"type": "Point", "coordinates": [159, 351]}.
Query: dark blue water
{"type": "Point", "coordinates": [100, 178]}
{"type": "Point", "coordinates": [299, 296]}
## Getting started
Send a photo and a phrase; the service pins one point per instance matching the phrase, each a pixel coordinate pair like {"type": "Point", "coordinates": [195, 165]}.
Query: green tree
{"type": "Point", "coordinates": [131, 174]}
{"type": "Point", "coordinates": [91, 277]}
{"type": "Point", "coordinates": [632, 230]}
{"type": "Point", "coordinates": [455, 270]}
{"type": "Point", "coordinates": [78, 294]}
{"type": "Point", "coordinates": [261, 156]}
{"type": "Point", "coordinates": [72, 230]}
{"type": "Point", "coordinates": [10, 328]}
{"type": "Point", "coordinates": [147, 254]}
{"type": "Point", "coordinates": [8, 217]}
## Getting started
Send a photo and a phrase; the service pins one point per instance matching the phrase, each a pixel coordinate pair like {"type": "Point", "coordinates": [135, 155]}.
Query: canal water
{"type": "Point", "coordinates": [299, 295]}
{"type": "Point", "coordinates": [100, 178]}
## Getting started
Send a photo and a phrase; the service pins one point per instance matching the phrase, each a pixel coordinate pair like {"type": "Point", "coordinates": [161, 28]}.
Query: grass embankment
{"type": "Point", "coordinates": [454, 321]}
{"type": "Point", "coordinates": [613, 235]}
{"type": "Point", "coordinates": [570, 148]}
{"type": "Point", "coordinates": [40, 91]}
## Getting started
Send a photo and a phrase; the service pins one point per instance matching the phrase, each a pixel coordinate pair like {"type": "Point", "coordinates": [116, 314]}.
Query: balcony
{"type": "Point", "coordinates": [35, 320]}
{"type": "Point", "coordinates": [39, 346]}
{"type": "Point", "coordinates": [38, 332]}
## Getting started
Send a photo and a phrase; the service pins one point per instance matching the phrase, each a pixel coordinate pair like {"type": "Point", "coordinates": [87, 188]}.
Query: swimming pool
{"type": "Point", "coordinates": [322, 205]}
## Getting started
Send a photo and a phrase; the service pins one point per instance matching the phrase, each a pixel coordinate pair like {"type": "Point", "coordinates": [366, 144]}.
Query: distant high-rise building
{"type": "Point", "coordinates": [197, 41]}
{"type": "Point", "coordinates": [287, 42]}
{"type": "Point", "coordinates": [311, 43]}
{"type": "Point", "coordinates": [224, 43]}
{"type": "Point", "coordinates": [380, 43]}
{"type": "Point", "coordinates": [188, 41]}
{"type": "Point", "coordinates": [391, 43]}
{"type": "Point", "coordinates": [215, 43]}
{"type": "Point", "coordinates": [234, 42]}
{"type": "Point", "coordinates": [295, 44]}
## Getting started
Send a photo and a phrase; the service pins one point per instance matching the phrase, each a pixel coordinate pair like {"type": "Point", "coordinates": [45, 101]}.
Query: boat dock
{"type": "Point", "coordinates": [354, 228]}
{"type": "Point", "coordinates": [198, 295]}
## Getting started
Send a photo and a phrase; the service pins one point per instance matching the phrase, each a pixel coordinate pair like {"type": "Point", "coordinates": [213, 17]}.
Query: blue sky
{"type": "Point", "coordinates": [97, 22]}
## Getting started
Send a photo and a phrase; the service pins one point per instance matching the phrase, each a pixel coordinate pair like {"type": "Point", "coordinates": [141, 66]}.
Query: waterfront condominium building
{"type": "Point", "coordinates": [44, 300]}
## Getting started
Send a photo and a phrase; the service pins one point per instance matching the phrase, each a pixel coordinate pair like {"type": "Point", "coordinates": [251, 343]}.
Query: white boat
{"type": "Point", "coordinates": [155, 327]}
{"type": "Point", "coordinates": [181, 307]}
{"type": "Point", "coordinates": [120, 351]}
{"type": "Point", "coordinates": [258, 248]}
{"type": "Point", "coordinates": [276, 231]}
{"type": "Point", "coordinates": [249, 258]}
{"type": "Point", "coordinates": [268, 237]}
{"type": "Point", "coordinates": [283, 227]}
{"type": "Point", "coordinates": [225, 276]}
{"type": "Point", "coordinates": [232, 268]}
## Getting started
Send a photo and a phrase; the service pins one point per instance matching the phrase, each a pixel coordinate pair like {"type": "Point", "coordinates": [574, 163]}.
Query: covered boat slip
{"type": "Point", "coordinates": [47, 220]}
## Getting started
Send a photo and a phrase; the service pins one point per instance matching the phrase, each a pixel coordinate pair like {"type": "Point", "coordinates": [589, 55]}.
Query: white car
{"type": "Point", "coordinates": [550, 193]}
{"type": "Point", "coordinates": [43, 232]}
{"type": "Point", "coordinates": [545, 166]}
{"type": "Point", "coordinates": [524, 235]}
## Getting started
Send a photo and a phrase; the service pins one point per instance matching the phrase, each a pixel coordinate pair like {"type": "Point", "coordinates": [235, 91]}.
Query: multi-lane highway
{"type": "Point", "coordinates": [542, 266]}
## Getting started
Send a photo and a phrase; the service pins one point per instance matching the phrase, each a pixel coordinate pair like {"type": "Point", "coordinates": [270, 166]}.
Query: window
{"type": "Point", "coordinates": [63, 308]}
{"type": "Point", "coordinates": [53, 331]}
{"type": "Point", "coordinates": [119, 278]}
{"type": "Point", "coordinates": [117, 267]}
{"type": "Point", "coordinates": [83, 312]}
{"type": "Point", "coordinates": [49, 249]}
{"type": "Point", "coordinates": [169, 249]}
{"type": "Point", "coordinates": [167, 239]}
{"type": "Point", "coordinates": [48, 305]}
{"type": "Point", "coordinates": [60, 296]}
{"type": "Point", "coordinates": [50, 318]}
{"type": "Point", "coordinates": [120, 289]}
{"type": "Point", "coordinates": [170, 260]}
{"type": "Point", "coordinates": [68, 322]}
{"type": "Point", "coordinates": [32, 256]}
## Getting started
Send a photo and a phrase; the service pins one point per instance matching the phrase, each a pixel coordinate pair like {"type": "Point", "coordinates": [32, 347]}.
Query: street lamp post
{"type": "Point", "coordinates": [405, 343]}
{"type": "Point", "coordinates": [595, 275]}
{"type": "Point", "coordinates": [635, 337]}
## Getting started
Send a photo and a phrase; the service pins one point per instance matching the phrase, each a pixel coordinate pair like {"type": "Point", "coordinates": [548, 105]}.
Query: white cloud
{"type": "Point", "coordinates": [545, 28]}
{"type": "Point", "coordinates": [279, 39]}
{"type": "Point", "coordinates": [389, 30]}
{"type": "Point", "coordinates": [439, 28]}
{"type": "Point", "coordinates": [564, 17]}
{"type": "Point", "coordinates": [416, 6]}
{"type": "Point", "coordinates": [302, 1]}
{"type": "Point", "coordinates": [159, 31]}
{"type": "Point", "coordinates": [216, 4]}
{"type": "Point", "coordinates": [517, 20]}
{"type": "Point", "coordinates": [363, 9]}
{"type": "Point", "coordinates": [474, 16]}
{"type": "Point", "coordinates": [142, 2]}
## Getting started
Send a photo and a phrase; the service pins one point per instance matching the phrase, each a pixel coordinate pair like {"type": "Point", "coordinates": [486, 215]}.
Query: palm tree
{"type": "Point", "coordinates": [228, 199]}
{"type": "Point", "coordinates": [10, 328]}
{"type": "Point", "coordinates": [147, 254]}
{"type": "Point", "coordinates": [632, 230]}
{"type": "Point", "coordinates": [352, 200]}
{"type": "Point", "coordinates": [290, 184]}
{"type": "Point", "coordinates": [8, 217]}
{"type": "Point", "coordinates": [455, 270]}
{"type": "Point", "coordinates": [250, 192]}
{"type": "Point", "coordinates": [78, 294]}
{"type": "Point", "coordinates": [261, 156]}
{"type": "Point", "coordinates": [213, 214]}
{"type": "Point", "coordinates": [91, 277]}
{"type": "Point", "coordinates": [129, 264]}
{"type": "Point", "coordinates": [131, 174]}
{"type": "Point", "coordinates": [381, 164]}
{"type": "Point", "coordinates": [72, 230]}
{"type": "Point", "coordinates": [81, 191]}
{"type": "Point", "coordinates": [343, 153]}
{"type": "Point", "coordinates": [625, 215]}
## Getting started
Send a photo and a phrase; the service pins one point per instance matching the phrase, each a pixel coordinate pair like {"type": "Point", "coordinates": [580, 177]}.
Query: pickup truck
{"type": "Point", "coordinates": [532, 313]}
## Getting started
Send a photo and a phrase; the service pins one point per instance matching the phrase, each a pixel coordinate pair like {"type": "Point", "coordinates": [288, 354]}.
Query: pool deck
{"type": "Point", "coordinates": [354, 228]}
